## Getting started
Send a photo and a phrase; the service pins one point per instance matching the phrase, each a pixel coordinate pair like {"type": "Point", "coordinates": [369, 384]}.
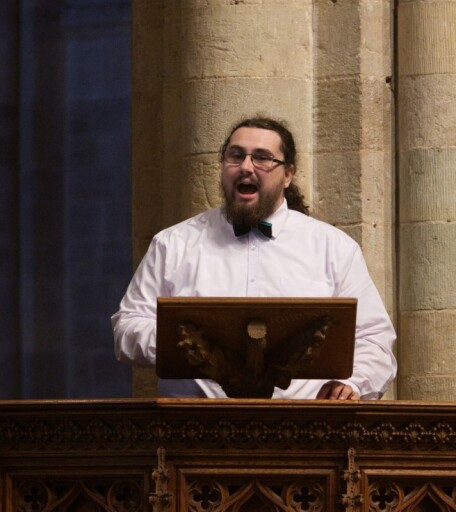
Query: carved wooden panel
{"type": "Point", "coordinates": [251, 426]}
{"type": "Point", "coordinates": [57, 495]}
{"type": "Point", "coordinates": [274, 490]}
{"type": "Point", "coordinates": [227, 456]}
{"type": "Point", "coordinates": [211, 496]}
{"type": "Point", "coordinates": [412, 493]}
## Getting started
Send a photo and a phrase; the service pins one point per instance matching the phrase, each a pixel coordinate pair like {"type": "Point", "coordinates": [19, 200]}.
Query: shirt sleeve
{"type": "Point", "coordinates": [134, 325]}
{"type": "Point", "coordinates": [374, 363]}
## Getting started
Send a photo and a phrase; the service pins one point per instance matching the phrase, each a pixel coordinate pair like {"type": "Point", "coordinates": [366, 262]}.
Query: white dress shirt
{"type": "Point", "coordinates": [201, 257]}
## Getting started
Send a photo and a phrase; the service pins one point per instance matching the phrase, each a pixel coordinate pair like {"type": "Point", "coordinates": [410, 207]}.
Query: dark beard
{"type": "Point", "coordinates": [248, 215]}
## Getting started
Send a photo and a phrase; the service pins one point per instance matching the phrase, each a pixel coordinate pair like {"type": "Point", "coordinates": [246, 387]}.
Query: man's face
{"type": "Point", "coordinates": [251, 194]}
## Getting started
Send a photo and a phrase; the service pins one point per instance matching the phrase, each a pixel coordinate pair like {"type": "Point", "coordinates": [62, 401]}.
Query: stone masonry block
{"type": "Point", "coordinates": [338, 187]}
{"type": "Point", "coordinates": [423, 335]}
{"type": "Point", "coordinates": [427, 116]}
{"type": "Point", "coordinates": [427, 387]}
{"type": "Point", "coordinates": [428, 185]}
{"type": "Point", "coordinates": [247, 39]}
{"type": "Point", "coordinates": [376, 114]}
{"type": "Point", "coordinates": [377, 187]}
{"type": "Point", "coordinates": [428, 266]}
{"type": "Point", "coordinates": [426, 37]}
{"type": "Point", "coordinates": [337, 52]}
{"type": "Point", "coordinates": [338, 114]}
{"type": "Point", "coordinates": [362, 47]}
{"type": "Point", "coordinates": [202, 183]}
{"type": "Point", "coordinates": [376, 37]}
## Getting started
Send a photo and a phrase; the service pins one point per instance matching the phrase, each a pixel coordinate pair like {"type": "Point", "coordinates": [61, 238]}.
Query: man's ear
{"type": "Point", "coordinates": [289, 173]}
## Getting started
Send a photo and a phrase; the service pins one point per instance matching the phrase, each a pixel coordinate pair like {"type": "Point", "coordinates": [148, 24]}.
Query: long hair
{"type": "Point", "coordinates": [293, 195]}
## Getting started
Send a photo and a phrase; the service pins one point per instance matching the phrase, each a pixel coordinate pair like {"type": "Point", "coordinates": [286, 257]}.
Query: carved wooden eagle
{"type": "Point", "coordinates": [256, 370]}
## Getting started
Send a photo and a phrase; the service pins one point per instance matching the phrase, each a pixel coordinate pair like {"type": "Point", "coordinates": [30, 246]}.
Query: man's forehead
{"type": "Point", "coordinates": [256, 137]}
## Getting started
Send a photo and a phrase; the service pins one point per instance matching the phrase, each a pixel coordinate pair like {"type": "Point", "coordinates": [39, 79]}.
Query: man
{"type": "Point", "coordinates": [260, 243]}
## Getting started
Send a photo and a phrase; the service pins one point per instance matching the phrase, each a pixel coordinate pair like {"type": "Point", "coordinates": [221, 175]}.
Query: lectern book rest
{"type": "Point", "coordinates": [251, 345]}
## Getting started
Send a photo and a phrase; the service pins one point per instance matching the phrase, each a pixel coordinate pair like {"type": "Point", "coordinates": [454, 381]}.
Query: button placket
{"type": "Point", "coordinates": [253, 285]}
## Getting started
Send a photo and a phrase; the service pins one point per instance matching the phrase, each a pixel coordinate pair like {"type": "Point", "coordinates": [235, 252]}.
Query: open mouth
{"type": "Point", "coordinates": [247, 188]}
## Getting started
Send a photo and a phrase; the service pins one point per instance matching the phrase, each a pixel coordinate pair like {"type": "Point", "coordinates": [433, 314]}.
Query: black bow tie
{"type": "Point", "coordinates": [262, 226]}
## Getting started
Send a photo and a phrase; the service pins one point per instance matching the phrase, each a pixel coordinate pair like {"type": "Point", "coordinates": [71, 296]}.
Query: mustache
{"type": "Point", "coordinates": [246, 180]}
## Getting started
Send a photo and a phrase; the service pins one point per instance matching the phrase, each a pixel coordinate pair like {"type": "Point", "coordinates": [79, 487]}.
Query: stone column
{"type": "Point", "coordinates": [427, 181]}
{"type": "Point", "coordinates": [198, 67]}
{"type": "Point", "coordinates": [354, 171]}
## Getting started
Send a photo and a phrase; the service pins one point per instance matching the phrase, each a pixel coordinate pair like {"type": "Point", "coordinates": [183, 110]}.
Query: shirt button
{"type": "Point", "coordinates": [253, 247]}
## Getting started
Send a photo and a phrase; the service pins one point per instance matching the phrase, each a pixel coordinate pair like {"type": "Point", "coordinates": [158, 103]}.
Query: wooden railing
{"type": "Point", "coordinates": [227, 455]}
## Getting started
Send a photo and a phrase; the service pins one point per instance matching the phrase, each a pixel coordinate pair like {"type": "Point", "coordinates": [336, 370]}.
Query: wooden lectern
{"type": "Point", "coordinates": [251, 345]}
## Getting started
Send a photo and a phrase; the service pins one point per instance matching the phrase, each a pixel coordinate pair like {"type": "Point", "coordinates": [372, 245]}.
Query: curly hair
{"type": "Point", "coordinates": [293, 195]}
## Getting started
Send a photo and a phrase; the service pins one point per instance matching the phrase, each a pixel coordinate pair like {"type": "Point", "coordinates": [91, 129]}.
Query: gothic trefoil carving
{"type": "Point", "coordinates": [409, 495]}
{"type": "Point", "coordinates": [215, 496]}
{"type": "Point", "coordinates": [59, 495]}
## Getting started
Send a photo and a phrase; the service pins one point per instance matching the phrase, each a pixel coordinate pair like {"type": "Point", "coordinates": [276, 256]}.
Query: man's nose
{"type": "Point", "coordinates": [247, 163]}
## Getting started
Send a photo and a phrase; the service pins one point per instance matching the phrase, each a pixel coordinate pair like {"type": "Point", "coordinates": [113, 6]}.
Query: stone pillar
{"type": "Point", "coordinates": [197, 68]}
{"type": "Point", "coordinates": [427, 181]}
{"type": "Point", "coordinates": [354, 171]}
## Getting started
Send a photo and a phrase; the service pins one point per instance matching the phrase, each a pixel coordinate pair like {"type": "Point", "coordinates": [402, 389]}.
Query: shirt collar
{"type": "Point", "coordinates": [278, 219]}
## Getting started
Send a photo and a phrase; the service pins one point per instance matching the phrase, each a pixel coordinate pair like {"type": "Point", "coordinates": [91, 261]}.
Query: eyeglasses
{"type": "Point", "coordinates": [261, 160]}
